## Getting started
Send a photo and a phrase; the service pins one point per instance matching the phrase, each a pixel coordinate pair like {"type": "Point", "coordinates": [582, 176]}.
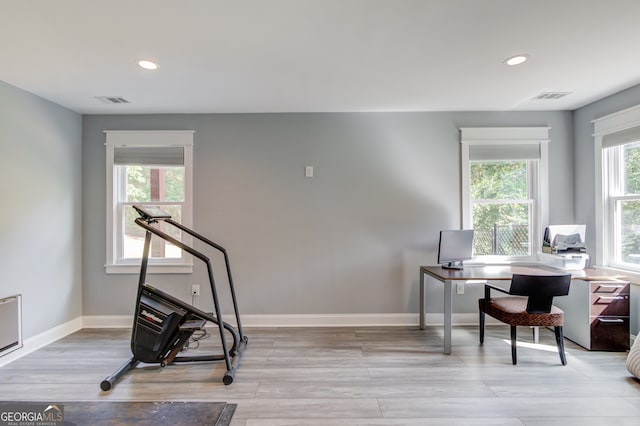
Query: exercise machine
{"type": "Point", "coordinates": [163, 324]}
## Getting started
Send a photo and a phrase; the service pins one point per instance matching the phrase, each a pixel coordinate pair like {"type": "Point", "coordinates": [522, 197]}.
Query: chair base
{"type": "Point", "coordinates": [558, 331]}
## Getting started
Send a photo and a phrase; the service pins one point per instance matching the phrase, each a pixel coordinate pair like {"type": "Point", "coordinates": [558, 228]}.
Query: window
{"type": "Point", "coordinates": [147, 168]}
{"type": "Point", "coordinates": [504, 189]}
{"type": "Point", "coordinates": [618, 149]}
{"type": "Point", "coordinates": [623, 203]}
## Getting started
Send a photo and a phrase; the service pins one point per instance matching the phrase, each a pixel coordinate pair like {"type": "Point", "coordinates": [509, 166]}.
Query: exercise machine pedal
{"type": "Point", "coordinates": [193, 325]}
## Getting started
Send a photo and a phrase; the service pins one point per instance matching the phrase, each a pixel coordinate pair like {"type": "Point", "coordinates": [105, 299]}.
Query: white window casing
{"type": "Point", "coordinates": [164, 147]}
{"type": "Point", "coordinates": [613, 130]}
{"type": "Point", "coordinates": [509, 143]}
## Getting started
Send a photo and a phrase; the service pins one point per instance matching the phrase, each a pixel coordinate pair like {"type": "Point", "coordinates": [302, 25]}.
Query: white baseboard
{"type": "Point", "coordinates": [305, 320]}
{"type": "Point", "coordinates": [249, 320]}
{"type": "Point", "coordinates": [38, 341]}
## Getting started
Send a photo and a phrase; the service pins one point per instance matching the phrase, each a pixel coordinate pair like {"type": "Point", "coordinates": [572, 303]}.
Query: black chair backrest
{"type": "Point", "coordinates": [541, 289]}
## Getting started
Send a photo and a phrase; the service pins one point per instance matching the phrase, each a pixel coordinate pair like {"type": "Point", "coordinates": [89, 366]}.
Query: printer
{"type": "Point", "coordinates": [564, 247]}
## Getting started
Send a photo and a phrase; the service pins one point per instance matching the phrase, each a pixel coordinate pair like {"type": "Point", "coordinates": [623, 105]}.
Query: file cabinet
{"type": "Point", "coordinates": [596, 314]}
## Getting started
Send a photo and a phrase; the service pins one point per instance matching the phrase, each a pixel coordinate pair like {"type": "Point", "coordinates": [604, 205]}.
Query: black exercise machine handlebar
{"type": "Point", "coordinates": [162, 323]}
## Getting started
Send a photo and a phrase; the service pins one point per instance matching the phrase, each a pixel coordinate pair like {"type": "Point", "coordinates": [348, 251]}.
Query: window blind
{"type": "Point", "coordinates": [156, 156]}
{"type": "Point", "coordinates": [621, 137]}
{"type": "Point", "coordinates": [504, 151]}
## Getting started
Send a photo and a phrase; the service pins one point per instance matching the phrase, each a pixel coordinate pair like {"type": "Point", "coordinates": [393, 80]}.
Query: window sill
{"type": "Point", "coordinates": [151, 269]}
{"type": "Point", "coordinates": [502, 260]}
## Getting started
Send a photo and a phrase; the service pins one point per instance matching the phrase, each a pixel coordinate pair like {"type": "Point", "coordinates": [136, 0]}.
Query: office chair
{"type": "Point", "coordinates": [534, 310]}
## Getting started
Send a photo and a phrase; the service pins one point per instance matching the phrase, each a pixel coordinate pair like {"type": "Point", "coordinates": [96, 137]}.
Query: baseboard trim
{"type": "Point", "coordinates": [43, 339]}
{"type": "Point", "coordinates": [305, 320]}
{"type": "Point", "coordinates": [249, 320]}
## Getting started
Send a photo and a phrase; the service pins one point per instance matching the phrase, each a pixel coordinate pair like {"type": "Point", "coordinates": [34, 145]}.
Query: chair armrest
{"type": "Point", "coordinates": [489, 287]}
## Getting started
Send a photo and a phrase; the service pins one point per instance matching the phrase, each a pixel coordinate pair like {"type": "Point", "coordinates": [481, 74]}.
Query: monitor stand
{"type": "Point", "coordinates": [456, 264]}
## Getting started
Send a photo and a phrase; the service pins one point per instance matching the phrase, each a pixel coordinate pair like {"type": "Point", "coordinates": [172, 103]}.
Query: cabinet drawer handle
{"type": "Point", "coordinates": [610, 297]}
{"type": "Point", "coordinates": [609, 288]}
{"type": "Point", "coordinates": [611, 320]}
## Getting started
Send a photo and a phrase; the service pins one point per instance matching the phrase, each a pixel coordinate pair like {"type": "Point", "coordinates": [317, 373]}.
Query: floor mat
{"type": "Point", "coordinates": [126, 413]}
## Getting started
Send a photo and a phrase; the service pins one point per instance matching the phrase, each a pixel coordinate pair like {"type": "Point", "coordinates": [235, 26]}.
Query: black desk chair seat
{"type": "Point", "coordinates": [535, 309]}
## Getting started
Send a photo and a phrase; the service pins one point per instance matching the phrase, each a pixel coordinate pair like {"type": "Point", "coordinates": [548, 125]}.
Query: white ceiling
{"type": "Point", "coordinates": [319, 55]}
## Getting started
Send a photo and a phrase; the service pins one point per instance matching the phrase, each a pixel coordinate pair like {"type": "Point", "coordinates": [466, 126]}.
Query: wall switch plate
{"type": "Point", "coordinates": [459, 288]}
{"type": "Point", "coordinates": [308, 171]}
{"type": "Point", "coordinates": [195, 290]}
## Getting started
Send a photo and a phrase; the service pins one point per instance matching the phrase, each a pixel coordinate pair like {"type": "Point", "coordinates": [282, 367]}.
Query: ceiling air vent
{"type": "Point", "coordinates": [112, 99]}
{"type": "Point", "coordinates": [550, 96]}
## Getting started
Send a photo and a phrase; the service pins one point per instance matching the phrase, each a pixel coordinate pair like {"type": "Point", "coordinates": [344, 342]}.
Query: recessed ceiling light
{"type": "Point", "coordinates": [148, 65]}
{"type": "Point", "coordinates": [516, 60]}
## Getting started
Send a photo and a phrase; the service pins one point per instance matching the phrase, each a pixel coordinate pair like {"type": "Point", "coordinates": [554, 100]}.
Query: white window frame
{"type": "Point", "coordinates": [610, 130]}
{"type": "Point", "coordinates": [511, 138]}
{"type": "Point", "coordinates": [145, 138]}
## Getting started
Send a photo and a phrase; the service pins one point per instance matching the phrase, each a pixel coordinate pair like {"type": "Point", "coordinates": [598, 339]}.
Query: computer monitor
{"type": "Point", "coordinates": [454, 247]}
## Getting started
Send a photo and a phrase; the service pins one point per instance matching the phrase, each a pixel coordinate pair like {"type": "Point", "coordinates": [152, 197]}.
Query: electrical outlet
{"type": "Point", "coordinates": [460, 288]}
{"type": "Point", "coordinates": [195, 290]}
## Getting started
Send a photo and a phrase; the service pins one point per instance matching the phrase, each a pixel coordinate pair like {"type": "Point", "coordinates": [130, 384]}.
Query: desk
{"type": "Point", "coordinates": [490, 273]}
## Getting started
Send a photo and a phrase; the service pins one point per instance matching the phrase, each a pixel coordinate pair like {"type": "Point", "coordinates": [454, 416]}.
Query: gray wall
{"type": "Point", "coordinates": [348, 240]}
{"type": "Point", "coordinates": [586, 169]}
{"type": "Point", "coordinates": [40, 218]}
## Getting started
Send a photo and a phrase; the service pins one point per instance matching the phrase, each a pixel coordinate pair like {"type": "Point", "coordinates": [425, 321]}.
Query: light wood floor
{"type": "Point", "coordinates": [352, 376]}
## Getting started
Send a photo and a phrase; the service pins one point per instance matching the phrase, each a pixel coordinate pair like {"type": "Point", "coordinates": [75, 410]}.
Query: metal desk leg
{"type": "Point", "coordinates": [422, 321]}
{"type": "Point", "coordinates": [448, 308]}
